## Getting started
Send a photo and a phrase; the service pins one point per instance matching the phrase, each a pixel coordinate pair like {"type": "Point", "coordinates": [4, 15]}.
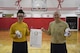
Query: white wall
{"type": "Point", "coordinates": [11, 3]}
{"type": "Point", "coordinates": [50, 4]}
{"type": "Point", "coordinates": [66, 3]}
{"type": "Point", "coordinates": [7, 3]}
{"type": "Point", "coordinates": [28, 3]}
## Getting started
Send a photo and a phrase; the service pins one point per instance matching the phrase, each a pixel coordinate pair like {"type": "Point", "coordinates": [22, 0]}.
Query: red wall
{"type": "Point", "coordinates": [5, 23]}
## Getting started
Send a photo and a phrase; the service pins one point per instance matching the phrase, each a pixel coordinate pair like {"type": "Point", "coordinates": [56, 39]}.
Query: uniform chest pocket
{"type": "Point", "coordinates": [61, 28]}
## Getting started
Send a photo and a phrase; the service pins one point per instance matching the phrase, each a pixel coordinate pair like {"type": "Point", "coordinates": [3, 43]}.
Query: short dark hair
{"type": "Point", "coordinates": [20, 11]}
